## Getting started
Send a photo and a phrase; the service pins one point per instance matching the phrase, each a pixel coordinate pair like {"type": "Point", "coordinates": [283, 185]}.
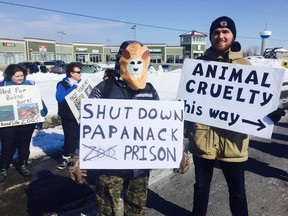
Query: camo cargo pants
{"type": "Point", "coordinates": [109, 190]}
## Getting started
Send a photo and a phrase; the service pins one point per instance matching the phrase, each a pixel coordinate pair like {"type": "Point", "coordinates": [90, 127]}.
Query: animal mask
{"type": "Point", "coordinates": [134, 62]}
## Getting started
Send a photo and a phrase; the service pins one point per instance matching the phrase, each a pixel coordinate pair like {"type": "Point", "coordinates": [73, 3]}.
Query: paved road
{"type": "Point", "coordinates": [266, 183]}
{"type": "Point", "coordinates": [50, 192]}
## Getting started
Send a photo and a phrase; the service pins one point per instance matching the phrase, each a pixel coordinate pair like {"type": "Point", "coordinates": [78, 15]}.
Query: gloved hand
{"type": "Point", "coordinates": [184, 164]}
{"type": "Point", "coordinates": [75, 173]}
{"type": "Point", "coordinates": [276, 115]}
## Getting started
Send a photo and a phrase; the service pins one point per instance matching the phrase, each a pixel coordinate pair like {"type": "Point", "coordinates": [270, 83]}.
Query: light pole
{"type": "Point", "coordinates": [108, 56]}
{"type": "Point", "coordinates": [61, 33]}
{"type": "Point", "coordinates": [134, 28]}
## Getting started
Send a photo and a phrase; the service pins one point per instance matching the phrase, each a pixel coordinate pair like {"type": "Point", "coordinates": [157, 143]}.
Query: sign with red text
{"type": "Point", "coordinates": [230, 96]}
{"type": "Point", "coordinates": [130, 134]}
{"type": "Point", "coordinates": [20, 104]}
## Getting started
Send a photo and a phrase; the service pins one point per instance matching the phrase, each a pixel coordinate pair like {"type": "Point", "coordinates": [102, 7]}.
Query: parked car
{"type": "Point", "coordinates": [50, 64]}
{"type": "Point", "coordinates": [59, 69]}
{"type": "Point", "coordinates": [59, 61]}
{"type": "Point", "coordinates": [30, 67]}
{"type": "Point", "coordinates": [79, 63]}
{"type": "Point", "coordinates": [89, 68]}
{"type": "Point", "coordinates": [100, 68]}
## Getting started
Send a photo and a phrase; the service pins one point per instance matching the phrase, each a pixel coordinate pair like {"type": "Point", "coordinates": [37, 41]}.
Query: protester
{"type": "Point", "coordinates": [210, 144]}
{"type": "Point", "coordinates": [109, 73]}
{"type": "Point", "coordinates": [127, 84]}
{"type": "Point", "coordinates": [16, 137]}
{"type": "Point", "coordinates": [43, 68]}
{"type": "Point", "coordinates": [71, 128]}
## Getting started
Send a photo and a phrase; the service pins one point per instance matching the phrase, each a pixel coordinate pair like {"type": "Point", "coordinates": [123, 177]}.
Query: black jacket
{"type": "Point", "coordinates": [64, 110]}
{"type": "Point", "coordinates": [117, 89]}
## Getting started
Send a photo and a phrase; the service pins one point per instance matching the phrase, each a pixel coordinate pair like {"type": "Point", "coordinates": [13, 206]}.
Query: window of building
{"type": "Point", "coordinates": [11, 57]}
{"type": "Point", "coordinates": [66, 57]}
{"type": "Point", "coordinates": [82, 58]}
{"type": "Point", "coordinates": [178, 58]}
{"type": "Point", "coordinates": [174, 58]}
{"type": "Point", "coordinates": [95, 58]}
{"type": "Point", "coordinates": [2, 58]}
{"type": "Point", "coordinates": [155, 58]}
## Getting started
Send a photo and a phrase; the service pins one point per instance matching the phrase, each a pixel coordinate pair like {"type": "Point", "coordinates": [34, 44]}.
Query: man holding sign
{"type": "Point", "coordinates": [129, 83]}
{"type": "Point", "coordinates": [209, 144]}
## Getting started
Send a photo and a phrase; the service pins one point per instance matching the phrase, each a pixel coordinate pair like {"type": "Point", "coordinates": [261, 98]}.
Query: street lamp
{"type": "Point", "coordinates": [30, 53]}
{"type": "Point", "coordinates": [134, 28]}
{"type": "Point", "coordinates": [108, 55]}
{"type": "Point", "coordinates": [61, 33]}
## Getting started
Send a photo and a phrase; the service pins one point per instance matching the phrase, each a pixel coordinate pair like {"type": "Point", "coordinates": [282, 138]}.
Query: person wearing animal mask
{"type": "Point", "coordinates": [130, 82]}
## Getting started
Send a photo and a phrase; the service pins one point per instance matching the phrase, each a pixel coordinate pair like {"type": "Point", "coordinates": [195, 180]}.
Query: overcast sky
{"type": "Point", "coordinates": [161, 21]}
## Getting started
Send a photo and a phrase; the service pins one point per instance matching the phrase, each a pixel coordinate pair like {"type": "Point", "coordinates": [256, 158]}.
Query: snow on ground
{"type": "Point", "coordinates": [50, 140]}
{"type": "Point", "coordinates": [166, 83]}
{"type": "Point", "coordinates": [261, 61]}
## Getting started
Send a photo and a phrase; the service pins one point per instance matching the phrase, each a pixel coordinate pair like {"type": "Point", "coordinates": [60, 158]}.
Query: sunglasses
{"type": "Point", "coordinates": [79, 72]}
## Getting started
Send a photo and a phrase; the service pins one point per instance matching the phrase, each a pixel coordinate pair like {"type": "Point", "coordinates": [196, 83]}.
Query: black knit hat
{"type": "Point", "coordinates": [223, 22]}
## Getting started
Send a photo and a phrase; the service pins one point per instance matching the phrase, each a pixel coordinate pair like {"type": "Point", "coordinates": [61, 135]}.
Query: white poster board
{"type": "Point", "coordinates": [20, 104]}
{"type": "Point", "coordinates": [73, 99]}
{"type": "Point", "coordinates": [131, 134]}
{"type": "Point", "coordinates": [233, 97]}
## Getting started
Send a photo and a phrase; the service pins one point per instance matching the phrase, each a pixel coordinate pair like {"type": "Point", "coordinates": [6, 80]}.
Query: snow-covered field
{"type": "Point", "coordinates": [166, 83]}
{"type": "Point", "coordinates": [50, 140]}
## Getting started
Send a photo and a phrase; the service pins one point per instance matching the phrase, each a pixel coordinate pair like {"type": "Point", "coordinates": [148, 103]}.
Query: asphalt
{"type": "Point", "coordinates": [51, 192]}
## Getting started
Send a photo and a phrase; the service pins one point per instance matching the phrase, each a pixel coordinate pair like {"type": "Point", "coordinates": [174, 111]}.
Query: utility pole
{"type": "Point", "coordinates": [134, 28]}
{"type": "Point", "coordinates": [108, 55]}
{"type": "Point", "coordinates": [61, 33]}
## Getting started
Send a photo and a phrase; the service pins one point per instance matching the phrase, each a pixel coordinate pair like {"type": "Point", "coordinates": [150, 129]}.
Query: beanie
{"type": "Point", "coordinates": [223, 22]}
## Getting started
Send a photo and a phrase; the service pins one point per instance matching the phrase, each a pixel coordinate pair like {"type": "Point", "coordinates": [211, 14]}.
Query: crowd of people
{"type": "Point", "coordinates": [207, 144]}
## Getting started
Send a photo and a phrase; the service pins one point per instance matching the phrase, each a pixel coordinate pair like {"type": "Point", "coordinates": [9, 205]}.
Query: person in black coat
{"type": "Point", "coordinates": [130, 83]}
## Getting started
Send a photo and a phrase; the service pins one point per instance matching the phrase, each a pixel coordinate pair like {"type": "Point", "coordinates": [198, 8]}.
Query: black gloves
{"type": "Point", "coordinates": [276, 115]}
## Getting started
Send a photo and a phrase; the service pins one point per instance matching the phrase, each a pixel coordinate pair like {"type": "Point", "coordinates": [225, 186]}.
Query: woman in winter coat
{"type": "Point", "coordinates": [70, 125]}
{"type": "Point", "coordinates": [16, 137]}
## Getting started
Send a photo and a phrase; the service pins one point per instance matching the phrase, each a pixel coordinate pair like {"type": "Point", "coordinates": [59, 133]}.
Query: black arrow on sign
{"type": "Point", "coordinates": [259, 123]}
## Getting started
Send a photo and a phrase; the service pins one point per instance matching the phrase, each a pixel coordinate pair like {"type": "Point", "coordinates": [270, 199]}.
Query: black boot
{"type": "Point", "coordinates": [23, 169]}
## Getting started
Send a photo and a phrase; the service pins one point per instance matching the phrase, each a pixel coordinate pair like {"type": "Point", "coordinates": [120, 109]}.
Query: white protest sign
{"type": "Point", "coordinates": [229, 96]}
{"type": "Point", "coordinates": [20, 104]}
{"type": "Point", "coordinates": [131, 134]}
{"type": "Point", "coordinates": [73, 99]}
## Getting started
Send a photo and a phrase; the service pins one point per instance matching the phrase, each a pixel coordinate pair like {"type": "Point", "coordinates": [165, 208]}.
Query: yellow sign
{"type": "Point", "coordinates": [284, 64]}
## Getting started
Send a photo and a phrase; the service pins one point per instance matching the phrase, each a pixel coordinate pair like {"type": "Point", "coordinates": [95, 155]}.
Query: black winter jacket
{"type": "Point", "coordinates": [117, 89]}
{"type": "Point", "coordinates": [64, 110]}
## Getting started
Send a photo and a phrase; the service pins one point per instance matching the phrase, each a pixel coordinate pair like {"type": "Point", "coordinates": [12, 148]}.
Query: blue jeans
{"type": "Point", "coordinates": [234, 175]}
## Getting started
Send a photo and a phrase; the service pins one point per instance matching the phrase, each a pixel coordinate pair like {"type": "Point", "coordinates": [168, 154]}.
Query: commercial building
{"type": "Point", "coordinates": [192, 44]}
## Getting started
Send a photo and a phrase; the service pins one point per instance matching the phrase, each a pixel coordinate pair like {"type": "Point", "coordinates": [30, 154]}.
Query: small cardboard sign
{"type": "Point", "coordinates": [73, 99]}
{"type": "Point", "coordinates": [20, 104]}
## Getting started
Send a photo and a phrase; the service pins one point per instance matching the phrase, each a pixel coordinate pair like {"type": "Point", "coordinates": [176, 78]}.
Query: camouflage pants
{"type": "Point", "coordinates": [109, 190]}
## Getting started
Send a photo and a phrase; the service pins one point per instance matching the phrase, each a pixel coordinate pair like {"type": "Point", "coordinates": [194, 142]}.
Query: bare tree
{"type": "Point", "coordinates": [252, 51]}
{"type": "Point", "coordinates": [255, 50]}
